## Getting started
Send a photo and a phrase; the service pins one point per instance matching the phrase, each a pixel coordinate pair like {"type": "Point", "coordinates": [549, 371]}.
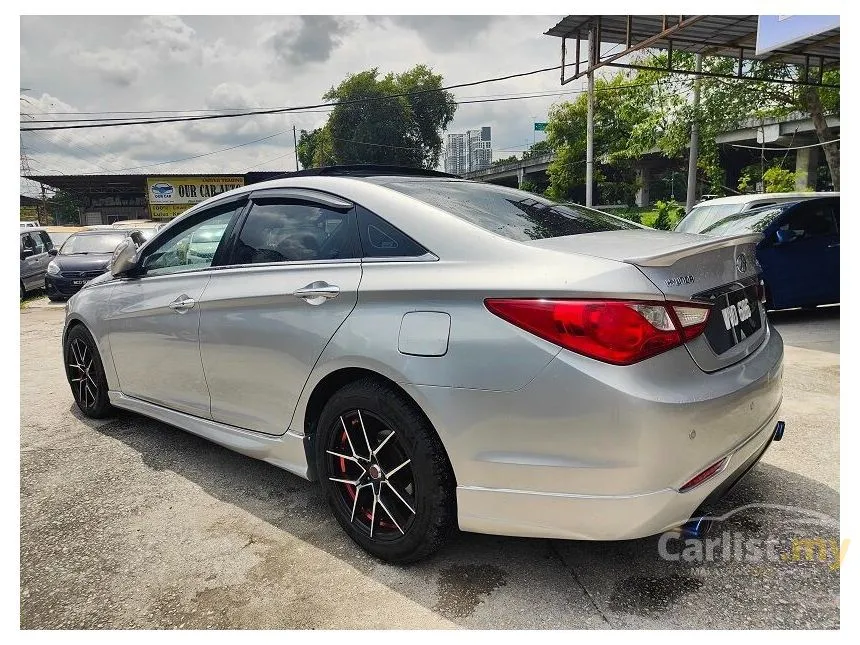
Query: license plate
{"type": "Point", "coordinates": [736, 316]}
{"type": "Point", "coordinates": [77, 282]}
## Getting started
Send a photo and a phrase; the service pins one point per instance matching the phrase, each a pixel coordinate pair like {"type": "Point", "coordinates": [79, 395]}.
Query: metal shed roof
{"type": "Point", "coordinates": [732, 36]}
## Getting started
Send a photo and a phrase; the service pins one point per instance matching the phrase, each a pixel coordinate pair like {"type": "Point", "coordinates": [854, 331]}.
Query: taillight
{"type": "Point", "coordinates": [621, 332]}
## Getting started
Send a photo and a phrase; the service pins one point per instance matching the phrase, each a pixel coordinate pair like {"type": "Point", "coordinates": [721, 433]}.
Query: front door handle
{"type": "Point", "coordinates": [835, 245]}
{"type": "Point", "coordinates": [316, 293]}
{"type": "Point", "coordinates": [182, 304]}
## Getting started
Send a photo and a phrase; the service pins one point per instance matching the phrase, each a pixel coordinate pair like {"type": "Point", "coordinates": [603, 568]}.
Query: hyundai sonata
{"type": "Point", "coordinates": [440, 353]}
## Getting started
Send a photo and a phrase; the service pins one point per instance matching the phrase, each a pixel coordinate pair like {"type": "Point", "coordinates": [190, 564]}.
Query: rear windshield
{"type": "Point", "coordinates": [750, 222]}
{"type": "Point", "coordinates": [512, 213]}
{"type": "Point", "coordinates": [701, 217]}
{"type": "Point", "coordinates": [100, 243]}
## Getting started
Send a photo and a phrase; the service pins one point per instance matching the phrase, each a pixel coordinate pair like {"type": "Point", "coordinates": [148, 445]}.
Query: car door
{"type": "Point", "coordinates": [292, 280]}
{"type": "Point", "coordinates": [37, 244]}
{"type": "Point", "coordinates": [155, 314]}
{"type": "Point", "coordinates": [803, 269]}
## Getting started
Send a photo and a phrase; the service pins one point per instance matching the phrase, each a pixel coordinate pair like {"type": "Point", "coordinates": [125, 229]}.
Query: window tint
{"type": "Point", "coordinates": [277, 230]}
{"type": "Point", "coordinates": [193, 247]}
{"type": "Point", "coordinates": [379, 239]}
{"type": "Point", "coordinates": [28, 243]}
{"type": "Point", "coordinates": [812, 220]}
{"type": "Point", "coordinates": [34, 241]}
{"type": "Point", "coordinates": [512, 213]}
{"type": "Point", "coordinates": [46, 240]}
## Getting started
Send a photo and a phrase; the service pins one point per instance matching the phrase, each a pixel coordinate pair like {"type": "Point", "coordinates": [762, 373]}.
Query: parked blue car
{"type": "Point", "coordinates": [799, 252]}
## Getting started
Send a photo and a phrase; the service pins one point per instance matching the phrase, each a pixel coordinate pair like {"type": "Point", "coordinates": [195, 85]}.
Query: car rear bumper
{"type": "Point", "coordinates": [588, 450]}
{"type": "Point", "coordinates": [600, 517]}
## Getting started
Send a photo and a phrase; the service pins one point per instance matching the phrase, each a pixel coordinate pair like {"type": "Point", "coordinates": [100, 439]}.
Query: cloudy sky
{"type": "Point", "coordinates": [101, 64]}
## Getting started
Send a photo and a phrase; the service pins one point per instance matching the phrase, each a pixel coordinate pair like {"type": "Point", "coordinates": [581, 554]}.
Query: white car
{"type": "Point", "coordinates": [709, 212]}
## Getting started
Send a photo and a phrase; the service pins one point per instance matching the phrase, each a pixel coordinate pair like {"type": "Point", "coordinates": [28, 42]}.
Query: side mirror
{"type": "Point", "coordinates": [783, 236]}
{"type": "Point", "coordinates": [52, 252]}
{"type": "Point", "coordinates": [26, 253]}
{"type": "Point", "coordinates": [124, 258]}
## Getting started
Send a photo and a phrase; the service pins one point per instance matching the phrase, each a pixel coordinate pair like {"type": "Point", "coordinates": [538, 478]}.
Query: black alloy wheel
{"type": "Point", "coordinates": [85, 374]}
{"type": "Point", "coordinates": [384, 472]}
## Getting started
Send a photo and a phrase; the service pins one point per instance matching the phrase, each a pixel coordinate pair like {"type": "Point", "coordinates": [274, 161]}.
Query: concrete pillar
{"type": "Point", "coordinates": [521, 176]}
{"type": "Point", "coordinates": [643, 196]}
{"type": "Point", "coordinates": [806, 168]}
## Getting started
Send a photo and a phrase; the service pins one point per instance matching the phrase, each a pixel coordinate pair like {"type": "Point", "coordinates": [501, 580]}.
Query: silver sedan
{"type": "Point", "coordinates": [439, 353]}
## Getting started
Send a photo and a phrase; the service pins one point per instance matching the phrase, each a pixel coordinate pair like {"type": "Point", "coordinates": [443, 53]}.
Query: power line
{"type": "Point", "coordinates": [102, 123]}
{"type": "Point", "coordinates": [205, 154]}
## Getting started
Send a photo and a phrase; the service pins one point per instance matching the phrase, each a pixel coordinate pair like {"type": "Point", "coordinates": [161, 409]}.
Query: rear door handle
{"type": "Point", "coordinates": [182, 304]}
{"type": "Point", "coordinates": [833, 246]}
{"type": "Point", "coordinates": [317, 291]}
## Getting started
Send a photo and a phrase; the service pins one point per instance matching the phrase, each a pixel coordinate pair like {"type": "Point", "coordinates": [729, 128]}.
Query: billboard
{"type": "Point", "coordinates": [778, 31]}
{"type": "Point", "coordinates": [171, 196]}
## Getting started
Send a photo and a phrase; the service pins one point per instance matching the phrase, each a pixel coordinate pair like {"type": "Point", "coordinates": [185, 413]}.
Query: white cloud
{"type": "Point", "coordinates": [121, 63]}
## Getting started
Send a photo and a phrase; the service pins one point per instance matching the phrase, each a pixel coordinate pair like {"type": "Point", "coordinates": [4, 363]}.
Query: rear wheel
{"type": "Point", "coordinates": [86, 374]}
{"type": "Point", "coordinates": [384, 472]}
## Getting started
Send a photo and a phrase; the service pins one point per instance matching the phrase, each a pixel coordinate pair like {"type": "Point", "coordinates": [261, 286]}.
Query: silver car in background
{"type": "Point", "coordinates": [441, 353]}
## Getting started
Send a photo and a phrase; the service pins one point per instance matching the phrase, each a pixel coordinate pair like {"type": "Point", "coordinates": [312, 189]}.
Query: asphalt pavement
{"type": "Point", "coordinates": [130, 523]}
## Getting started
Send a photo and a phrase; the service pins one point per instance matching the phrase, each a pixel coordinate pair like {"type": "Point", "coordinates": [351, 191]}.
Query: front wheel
{"type": "Point", "coordinates": [385, 473]}
{"type": "Point", "coordinates": [86, 374]}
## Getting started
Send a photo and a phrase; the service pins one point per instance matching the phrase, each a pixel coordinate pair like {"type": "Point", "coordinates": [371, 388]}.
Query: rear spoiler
{"type": "Point", "coordinates": [668, 258]}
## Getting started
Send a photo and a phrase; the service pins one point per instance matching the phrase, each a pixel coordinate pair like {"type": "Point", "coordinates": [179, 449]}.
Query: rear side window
{"type": "Point", "coordinates": [512, 213]}
{"type": "Point", "coordinates": [279, 230]}
{"type": "Point", "coordinates": [379, 239]}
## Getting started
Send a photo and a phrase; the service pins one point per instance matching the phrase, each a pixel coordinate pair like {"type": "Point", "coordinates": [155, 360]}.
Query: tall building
{"type": "Point", "coordinates": [456, 154]}
{"type": "Point", "coordinates": [470, 150]}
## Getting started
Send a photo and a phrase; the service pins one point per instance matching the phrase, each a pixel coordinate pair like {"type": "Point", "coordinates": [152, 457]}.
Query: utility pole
{"type": "Point", "coordinates": [694, 142]}
{"type": "Point", "coordinates": [296, 148]}
{"type": "Point", "coordinates": [44, 204]}
{"type": "Point", "coordinates": [589, 128]}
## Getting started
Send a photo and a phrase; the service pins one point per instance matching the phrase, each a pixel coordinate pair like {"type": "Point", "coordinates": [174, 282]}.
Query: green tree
{"type": "Point", "coordinates": [614, 121]}
{"type": "Point", "coordinates": [502, 162]}
{"type": "Point", "coordinates": [390, 128]}
{"type": "Point", "coordinates": [637, 113]}
{"type": "Point", "coordinates": [315, 149]}
{"type": "Point", "coordinates": [64, 208]}
{"type": "Point", "coordinates": [778, 180]}
{"type": "Point", "coordinates": [538, 148]}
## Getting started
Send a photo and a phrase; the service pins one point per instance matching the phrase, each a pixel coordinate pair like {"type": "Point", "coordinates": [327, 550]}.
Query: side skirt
{"type": "Point", "coordinates": [286, 451]}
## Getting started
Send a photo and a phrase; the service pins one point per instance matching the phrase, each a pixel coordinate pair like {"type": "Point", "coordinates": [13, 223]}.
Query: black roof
{"type": "Point", "coordinates": [368, 170]}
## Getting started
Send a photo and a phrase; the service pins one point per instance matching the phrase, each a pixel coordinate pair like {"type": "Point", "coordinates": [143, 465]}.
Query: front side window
{"type": "Point", "coordinates": [279, 230]}
{"type": "Point", "coordinates": [191, 248]}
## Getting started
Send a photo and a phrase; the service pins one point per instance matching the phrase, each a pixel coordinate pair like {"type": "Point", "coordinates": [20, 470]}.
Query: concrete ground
{"type": "Point", "coordinates": [129, 523]}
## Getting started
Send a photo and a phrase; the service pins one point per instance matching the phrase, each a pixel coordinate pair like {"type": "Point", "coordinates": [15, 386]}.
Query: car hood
{"type": "Point", "coordinates": [88, 262]}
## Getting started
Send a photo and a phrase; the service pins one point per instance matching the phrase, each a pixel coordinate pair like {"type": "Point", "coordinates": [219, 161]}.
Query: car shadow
{"type": "Point", "coordinates": [499, 582]}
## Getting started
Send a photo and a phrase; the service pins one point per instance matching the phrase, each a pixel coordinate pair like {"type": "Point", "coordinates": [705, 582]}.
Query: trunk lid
{"type": "Point", "coordinates": [721, 271]}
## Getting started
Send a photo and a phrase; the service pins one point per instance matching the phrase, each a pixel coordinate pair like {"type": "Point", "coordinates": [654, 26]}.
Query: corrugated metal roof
{"type": "Point", "coordinates": [712, 35]}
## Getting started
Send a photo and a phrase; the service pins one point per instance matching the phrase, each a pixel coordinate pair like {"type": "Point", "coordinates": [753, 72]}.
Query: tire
{"type": "Point", "coordinates": [408, 470]}
{"type": "Point", "coordinates": [23, 291]}
{"type": "Point", "coordinates": [85, 374]}
{"type": "Point", "coordinates": [56, 298]}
